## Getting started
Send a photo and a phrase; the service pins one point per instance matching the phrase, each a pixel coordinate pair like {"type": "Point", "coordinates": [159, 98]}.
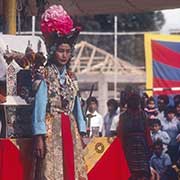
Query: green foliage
{"type": "Point", "coordinates": [150, 21]}
{"type": "Point", "coordinates": [130, 47]}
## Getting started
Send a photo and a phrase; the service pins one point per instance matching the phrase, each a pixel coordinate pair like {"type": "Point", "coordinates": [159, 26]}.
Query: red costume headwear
{"type": "Point", "coordinates": [57, 28]}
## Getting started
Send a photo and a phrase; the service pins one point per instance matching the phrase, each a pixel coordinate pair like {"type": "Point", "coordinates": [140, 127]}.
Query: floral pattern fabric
{"type": "Point", "coordinates": [52, 168]}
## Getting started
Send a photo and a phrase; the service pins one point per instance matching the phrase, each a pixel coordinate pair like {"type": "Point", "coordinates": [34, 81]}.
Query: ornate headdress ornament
{"type": "Point", "coordinates": [57, 27]}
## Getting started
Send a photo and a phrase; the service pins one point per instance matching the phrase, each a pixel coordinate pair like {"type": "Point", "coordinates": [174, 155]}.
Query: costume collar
{"type": "Point", "coordinates": [94, 113]}
{"type": "Point", "coordinates": [61, 73]}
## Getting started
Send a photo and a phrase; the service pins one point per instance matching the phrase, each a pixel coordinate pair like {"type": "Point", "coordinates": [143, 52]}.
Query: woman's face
{"type": "Point", "coordinates": [63, 54]}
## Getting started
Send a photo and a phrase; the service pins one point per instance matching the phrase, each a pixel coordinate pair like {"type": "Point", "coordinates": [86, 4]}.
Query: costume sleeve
{"type": "Point", "coordinates": [39, 112]}
{"type": "Point", "coordinates": [165, 138]}
{"type": "Point", "coordinates": [167, 161]}
{"type": "Point", "coordinates": [78, 114]}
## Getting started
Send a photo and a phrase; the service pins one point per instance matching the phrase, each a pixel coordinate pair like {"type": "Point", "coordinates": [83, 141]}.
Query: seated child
{"type": "Point", "coordinates": [176, 170]}
{"type": "Point", "coordinates": [154, 174]}
{"type": "Point", "coordinates": [160, 161]}
{"type": "Point", "coordinates": [172, 126]}
{"type": "Point", "coordinates": [158, 134]}
{"type": "Point", "coordinates": [150, 110]}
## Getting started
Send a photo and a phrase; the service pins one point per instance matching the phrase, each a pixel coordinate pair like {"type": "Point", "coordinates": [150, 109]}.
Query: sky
{"type": "Point", "coordinates": [172, 18]}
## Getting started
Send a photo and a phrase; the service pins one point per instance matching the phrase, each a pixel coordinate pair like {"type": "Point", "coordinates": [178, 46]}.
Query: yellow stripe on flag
{"type": "Point", "coordinates": [148, 38]}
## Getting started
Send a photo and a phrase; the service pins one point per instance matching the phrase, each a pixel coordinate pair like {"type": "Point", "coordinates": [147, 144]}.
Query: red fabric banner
{"type": "Point", "coordinates": [67, 142]}
{"type": "Point", "coordinates": [112, 165]}
{"type": "Point", "coordinates": [15, 163]}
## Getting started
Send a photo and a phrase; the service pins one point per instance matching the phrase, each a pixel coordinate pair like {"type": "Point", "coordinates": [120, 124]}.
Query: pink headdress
{"type": "Point", "coordinates": [57, 26]}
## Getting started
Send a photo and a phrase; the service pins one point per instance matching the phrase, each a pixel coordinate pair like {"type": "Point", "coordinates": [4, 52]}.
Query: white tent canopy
{"type": "Point", "coordinates": [84, 7]}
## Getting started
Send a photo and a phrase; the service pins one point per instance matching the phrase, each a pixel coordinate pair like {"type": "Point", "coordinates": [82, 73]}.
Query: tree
{"type": "Point", "coordinates": [150, 21]}
{"type": "Point", "coordinates": [130, 48]}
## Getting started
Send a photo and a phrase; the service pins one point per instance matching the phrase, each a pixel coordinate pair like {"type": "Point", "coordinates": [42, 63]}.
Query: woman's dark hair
{"type": "Point", "coordinates": [112, 102]}
{"type": "Point", "coordinates": [134, 101]}
{"type": "Point", "coordinates": [128, 91]}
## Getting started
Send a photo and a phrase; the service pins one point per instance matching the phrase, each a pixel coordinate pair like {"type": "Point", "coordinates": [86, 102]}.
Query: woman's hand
{"type": "Point", "coordinates": [39, 146]}
{"type": "Point", "coordinates": [83, 139]}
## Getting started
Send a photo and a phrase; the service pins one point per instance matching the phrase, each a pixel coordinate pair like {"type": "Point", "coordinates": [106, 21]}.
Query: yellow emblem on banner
{"type": "Point", "coordinates": [95, 150]}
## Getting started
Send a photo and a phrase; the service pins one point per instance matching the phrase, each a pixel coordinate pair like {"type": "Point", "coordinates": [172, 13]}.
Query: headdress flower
{"type": "Point", "coordinates": [55, 19]}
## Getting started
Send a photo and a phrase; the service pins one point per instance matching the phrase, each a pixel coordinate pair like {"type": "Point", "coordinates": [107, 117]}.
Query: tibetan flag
{"type": "Point", "coordinates": [162, 64]}
{"type": "Point", "coordinates": [105, 159]}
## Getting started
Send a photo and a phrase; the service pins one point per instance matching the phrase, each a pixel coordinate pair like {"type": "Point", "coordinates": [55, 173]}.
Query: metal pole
{"type": "Point", "coordinates": [33, 25]}
{"type": "Point", "coordinates": [9, 8]}
{"type": "Point", "coordinates": [115, 56]}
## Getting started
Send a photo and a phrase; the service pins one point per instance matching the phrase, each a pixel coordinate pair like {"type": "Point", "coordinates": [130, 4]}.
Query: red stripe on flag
{"type": "Point", "coordinates": [165, 55]}
{"type": "Point", "coordinates": [166, 92]}
{"type": "Point", "coordinates": [112, 164]}
{"type": "Point", "coordinates": [161, 83]}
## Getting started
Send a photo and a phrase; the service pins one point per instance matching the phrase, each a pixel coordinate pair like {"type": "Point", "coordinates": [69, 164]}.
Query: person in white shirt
{"type": "Point", "coordinates": [94, 119]}
{"type": "Point", "coordinates": [111, 119]}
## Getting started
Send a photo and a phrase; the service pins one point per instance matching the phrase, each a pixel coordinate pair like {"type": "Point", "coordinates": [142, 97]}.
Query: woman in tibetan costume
{"type": "Point", "coordinates": [58, 122]}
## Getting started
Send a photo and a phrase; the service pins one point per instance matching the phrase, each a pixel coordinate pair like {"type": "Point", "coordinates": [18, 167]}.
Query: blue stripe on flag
{"type": "Point", "coordinates": [174, 46]}
{"type": "Point", "coordinates": [165, 72]}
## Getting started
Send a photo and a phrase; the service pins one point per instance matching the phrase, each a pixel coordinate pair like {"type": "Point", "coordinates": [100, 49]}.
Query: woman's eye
{"type": "Point", "coordinates": [62, 51]}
